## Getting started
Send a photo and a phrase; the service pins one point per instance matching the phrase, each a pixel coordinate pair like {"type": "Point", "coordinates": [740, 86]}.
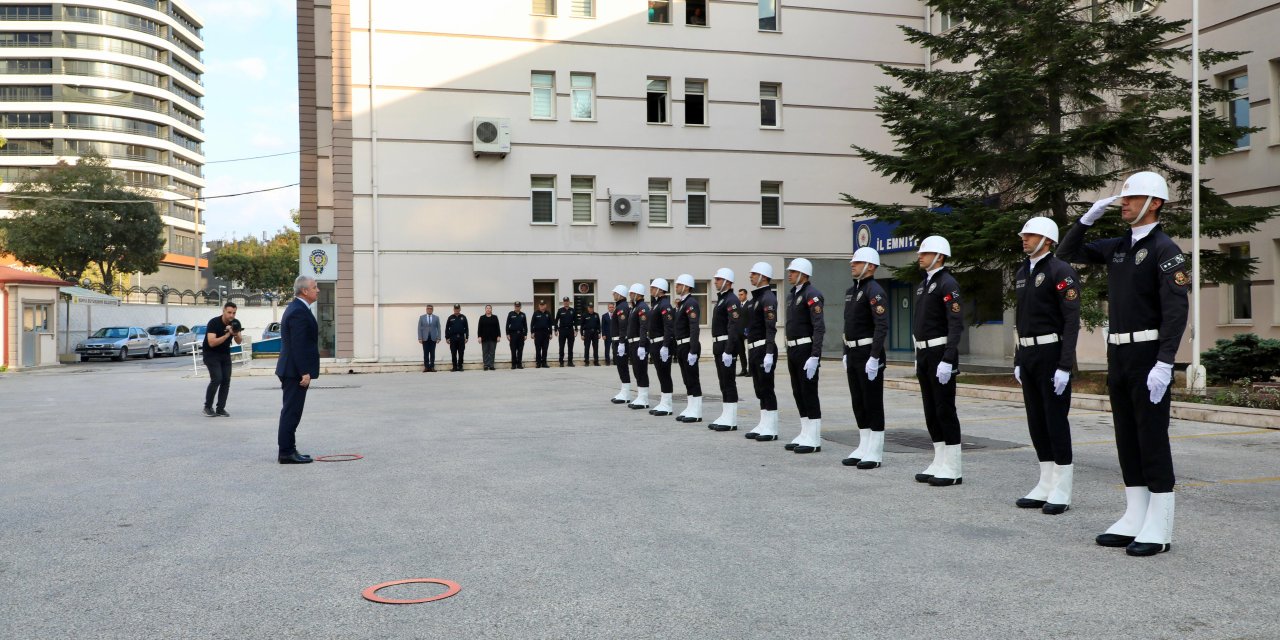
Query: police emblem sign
{"type": "Point", "coordinates": [319, 261]}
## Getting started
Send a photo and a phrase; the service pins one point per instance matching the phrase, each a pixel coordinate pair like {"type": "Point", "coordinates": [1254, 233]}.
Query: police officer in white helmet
{"type": "Point", "coordinates": [662, 328]}
{"type": "Point", "coordinates": [866, 325]}
{"type": "Point", "coordinates": [805, 329]}
{"type": "Point", "coordinates": [638, 345]}
{"type": "Point", "coordinates": [937, 328]}
{"type": "Point", "coordinates": [725, 326]}
{"type": "Point", "coordinates": [688, 347]}
{"type": "Point", "coordinates": [762, 349]}
{"type": "Point", "coordinates": [1147, 281]}
{"type": "Point", "coordinates": [621, 314]}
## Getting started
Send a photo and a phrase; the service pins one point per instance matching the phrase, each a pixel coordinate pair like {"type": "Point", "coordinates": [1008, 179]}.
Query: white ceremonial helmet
{"type": "Point", "coordinates": [621, 290]}
{"type": "Point", "coordinates": [802, 265]}
{"type": "Point", "coordinates": [935, 244]}
{"type": "Point", "coordinates": [660, 283]}
{"type": "Point", "coordinates": [1041, 226]}
{"type": "Point", "coordinates": [725, 273]}
{"type": "Point", "coordinates": [638, 289]}
{"type": "Point", "coordinates": [867, 255]}
{"type": "Point", "coordinates": [1146, 183]}
{"type": "Point", "coordinates": [763, 268]}
{"type": "Point", "coordinates": [687, 280]}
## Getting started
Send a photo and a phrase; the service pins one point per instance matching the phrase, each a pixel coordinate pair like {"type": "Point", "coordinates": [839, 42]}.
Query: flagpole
{"type": "Point", "coordinates": [1195, 374]}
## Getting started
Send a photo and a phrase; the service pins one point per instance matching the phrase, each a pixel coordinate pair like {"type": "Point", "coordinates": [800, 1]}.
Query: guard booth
{"type": "Point", "coordinates": [28, 319]}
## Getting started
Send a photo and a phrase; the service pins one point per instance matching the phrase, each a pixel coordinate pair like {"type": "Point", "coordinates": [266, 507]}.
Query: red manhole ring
{"type": "Point", "coordinates": [371, 594]}
{"type": "Point", "coordinates": [339, 457]}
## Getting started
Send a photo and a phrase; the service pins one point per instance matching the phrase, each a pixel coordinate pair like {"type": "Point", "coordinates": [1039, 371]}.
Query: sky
{"type": "Point", "coordinates": [251, 109]}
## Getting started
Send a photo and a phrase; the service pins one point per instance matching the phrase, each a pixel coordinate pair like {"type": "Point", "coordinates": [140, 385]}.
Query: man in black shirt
{"type": "Point", "coordinates": [937, 327]}
{"type": "Point", "coordinates": [488, 332]}
{"type": "Point", "coordinates": [540, 327]}
{"type": "Point", "coordinates": [216, 352]}
{"type": "Point", "coordinates": [517, 331]}
{"type": "Point", "coordinates": [566, 328]}
{"type": "Point", "coordinates": [590, 325]}
{"type": "Point", "coordinates": [456, 332]}
{"type": "Point", "coordinates": [866, 324]}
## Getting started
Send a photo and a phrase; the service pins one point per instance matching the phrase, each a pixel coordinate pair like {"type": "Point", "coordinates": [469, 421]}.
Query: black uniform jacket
{"type": "Point", "coordinates": [804, 316]}
{"type": "Point", "coordinates": [638, 323]}
{"type": "Point", "coordinates": [540, 324]}
{"type": "Point", "coordinates": [662, 323]}
{"type": "Point", "coordinates": [726, 320]}
{"type": "Point", "coordinates": [866, 315]}
{"type": "Point", "coordinates": [590, 323]}
{"type": "Point", "coordinates": [621, 318]}
{"type": "Point", "coordinates": [938, 313]}
{"type": "Point", "coordinates": [566, 319]}
{"type": "Point", "coordinates": [517, 325]}
{"type": "Point", "coordinates": [1147, 283]}
{"type": "Point", "coordinates": [1048, 302]}
{"type": "Point", "coordinates": [687, 323]}
{"type": "Point", "coordinates": [456, 328]}
{"type": "Point", "coordinates": [762, 319]}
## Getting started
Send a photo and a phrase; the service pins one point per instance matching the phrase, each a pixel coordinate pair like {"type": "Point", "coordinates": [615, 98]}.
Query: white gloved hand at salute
{"type": "Point", "coordinates": [1100, 207]}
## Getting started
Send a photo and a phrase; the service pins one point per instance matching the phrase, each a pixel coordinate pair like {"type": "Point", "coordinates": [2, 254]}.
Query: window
{"type": "Point", "coordinates": [26, 39]}
{"type": "Point", "coordinates": [110, 123]}
{"type": "Point", "coordinates": [770, 204]}
{"type": "Point", "coordinates": [584, 293]}
{"type": "Point", "coordinates": [695, 13]}
{"type": "Point", "coordinates": [770, 103]}
{"type": "Point", "coordinates": [26, 65]}
{"type": "Point", "coordinates": [583, 96]}
{"type": "Point", "coordinates": [696, 193]}
{"type": "Point", "coordinates": [1241, 290]}
{"type": "Point", "coordinates": [544, 7]}
{"type": "Point", "coordinates": [26, 94]}
{"type": "Point", "coordinates": [659, 201]}
{"type": "Point", "coordinates": [584, 8]}
{"type": "Point", "coordinates": [656, 94]}
{"type": "Point", "coordinates": [584, 196]}
{"type": "Point", "coordinates": [26, 12]}
{"type": "Point", "coordinates": [26, 120]}
{"type": "Point", "coordinates": [543, 94]}
{"type": "Point", "coordinates": [948, 21]}
{"type": "Point", "coordinates": [545, 291]}
{"type": "Point", "coordinates": [768, 15]}
{"type": "Point", "coordinates": [700, 289]}
{"type": "Point", "coordinates": [27, 147]}
{"type": "Point", "coordinates": [695, 102]}
{"type": "Point", "coordinates": [1238, 106]}
{"type": "Point", "coordinates": [659, 11]}
{"type": "Point", "coordinates": [183, 245]}
{"type": "Point", "coordinates": [543, 199]}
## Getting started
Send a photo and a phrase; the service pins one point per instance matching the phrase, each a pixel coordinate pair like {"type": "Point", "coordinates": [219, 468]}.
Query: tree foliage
{"type": "Point", "coordinates": [54, 227]}
{"type": "Point", "coordinates": [1048, 101]}
{"type": "Point", "coordinates": [269, 266]}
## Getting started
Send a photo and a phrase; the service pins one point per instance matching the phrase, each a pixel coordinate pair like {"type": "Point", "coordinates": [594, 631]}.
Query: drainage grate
{"type": "Point", "coordinates": [916, 440]}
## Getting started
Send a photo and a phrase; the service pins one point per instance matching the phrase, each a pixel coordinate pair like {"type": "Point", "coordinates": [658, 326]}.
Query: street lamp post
{"type": "Point", "coordinates": [1195, 373]}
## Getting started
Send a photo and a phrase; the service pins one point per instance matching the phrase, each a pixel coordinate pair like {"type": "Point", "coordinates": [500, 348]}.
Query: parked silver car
{"type": "Point", "coordinates": [117, 343]}
{"type": "Point", "coordinates": [173, 339]}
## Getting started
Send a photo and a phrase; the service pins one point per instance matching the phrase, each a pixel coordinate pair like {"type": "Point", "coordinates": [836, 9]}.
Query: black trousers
{"type": "Point", "coordinates": [728, 385]}
{"type": "Point", "coordinates": [295, 397]}
{"type": "Point", "coordinates": [1046, 411]}
{"type": "Point", "coordinates": [624, 374]}
{"type": "Point", "coordinates": [804, 390]}
{"type": "Point", "coordinates": [1142, 428]}
{"type": "Point", "coordinates": [867, 395]}
{"type": "Point", "coordinates": [219, 381]}
{"type": "Point", "coordinates": [590, 345]}
{"type": "Point", "coordinates": [429, 354]}
{"type": "Point", "coordinates": [517, 351]}
{"type": "Point", "coordinates": [540, 345]}
{"type": "Point", "coordinates": [939, 399]}
{"type": "Point", "coordinates": [566, 337]}
{"type": "Point", "coordinates": [639, 366]}
{"type": "Point", "coordinates": [688, 372]}
{"type": "Point", "coordinates": [663, 369]}
{"type": "Point", "coordinates": [742, 353]}
{"type": "Point", "coordinates": [762, 380]}
{"type": "Point", "coordinates": [609, 346]}
{"type": "Point", "coordinates": [456, 348]}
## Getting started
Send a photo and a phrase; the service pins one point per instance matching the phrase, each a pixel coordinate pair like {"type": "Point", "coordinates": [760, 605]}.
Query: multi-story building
{"type": "Point", "coordinates": [119, 77]}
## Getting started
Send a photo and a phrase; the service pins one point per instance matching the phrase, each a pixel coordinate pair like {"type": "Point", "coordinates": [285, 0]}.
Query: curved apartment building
{"type": "Point", "coordinates": [120, 77]}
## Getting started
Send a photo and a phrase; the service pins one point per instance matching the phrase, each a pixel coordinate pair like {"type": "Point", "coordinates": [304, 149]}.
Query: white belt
{"type": "Point", "coordinates": [925, 344]}
{"type": "Point", "coordinates": [858, 343]}
{"type": "Point", "coordinates": [799, 341]}
{"type": "Point", "coordinates": [1136, 336]}
{"type": "Point", "coordinates": [757, 343]}
{"type": "Point", "coordinates": [634, 339]}
{"type": "Point", "coordinates": [719, 338]}
{"type": "Point", "coordinates": [1035, 340]}
{"type": "Point", "coordinates": [681, 341]}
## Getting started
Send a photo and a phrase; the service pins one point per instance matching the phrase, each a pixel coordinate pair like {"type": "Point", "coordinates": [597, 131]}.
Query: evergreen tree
{"type": "Point", "coordinates": [1047, 101]}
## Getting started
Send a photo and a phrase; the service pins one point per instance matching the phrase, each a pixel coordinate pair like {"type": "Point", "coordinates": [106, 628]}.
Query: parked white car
{"type": "Point", "coordinates": [173, 339]}
{"type": "Point", "coordinates": [117, 343]}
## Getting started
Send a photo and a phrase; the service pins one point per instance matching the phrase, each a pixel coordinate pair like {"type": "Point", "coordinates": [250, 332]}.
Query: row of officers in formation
{"type": "Point", "coordinates": [1148, 278]}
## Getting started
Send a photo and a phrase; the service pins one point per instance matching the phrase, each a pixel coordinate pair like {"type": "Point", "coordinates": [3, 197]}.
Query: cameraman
{"type": "Point", "coordinates": [217, 357]}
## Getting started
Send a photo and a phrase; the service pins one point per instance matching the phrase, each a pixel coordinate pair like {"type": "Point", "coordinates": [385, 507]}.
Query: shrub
{"type": "Point", "coordinates": [1246, 356]}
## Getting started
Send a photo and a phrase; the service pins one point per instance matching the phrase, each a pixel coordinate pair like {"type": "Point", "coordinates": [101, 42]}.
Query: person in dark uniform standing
{"type": "Point", "coordinates": [742, 337]}
{"type": "Point", "coordinates": [606, 334]}
{"type": "Point", "coordinates": [590, 324]}
{"type": "Point", "coordinates": [936, 328]}
{"type": "Point", "coordinates": [566, 328]}
{"type": "Point", "coordinates": [806, 327]}
{"type": "Point", "coordinates": [662, 328]}
{"type": "Point", "coordinates": [762, 349]}
{"type": "Point", "coordinates": [1147, 280]}
{"type": "Point", "coordinates": [298, 365]}
{"type": "Point", "coordinates": [540, 325]}
{"type": "Point", "coordinates": [456, 332]}
{"type": "Point", "coordinates": [687, 347]}
{"type": "Point", "coordinates": [517, 331]}
{"type": "Point", "coordinates": [621, 318]}
{"type": "Point", "coordinates": [1048, 322]}
{"type": "Point", "coordinates": [866, 325]}
{"type": "Point", "coordinates": [726, 318]}
{"type": "Point", "coordinates": [638, 345]}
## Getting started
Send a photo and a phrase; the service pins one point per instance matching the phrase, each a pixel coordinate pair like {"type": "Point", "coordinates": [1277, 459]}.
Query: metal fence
{"type": "Point", "coordinates": [206, 297]}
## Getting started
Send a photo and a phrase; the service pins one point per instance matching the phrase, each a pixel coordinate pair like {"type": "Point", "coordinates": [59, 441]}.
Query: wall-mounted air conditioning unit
{"type": "Point", "coordinates": [624, 208]}
{"type": "Point", "coordinates": [491, 136]}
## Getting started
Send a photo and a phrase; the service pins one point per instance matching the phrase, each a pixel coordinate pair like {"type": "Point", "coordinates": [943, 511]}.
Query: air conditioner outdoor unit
{"type": "Point", "coordinates": [623, 208]}
{"type": "Point", "coordinates": [491, 136]}
{"type": "Point", "coordinates": [316, 238]}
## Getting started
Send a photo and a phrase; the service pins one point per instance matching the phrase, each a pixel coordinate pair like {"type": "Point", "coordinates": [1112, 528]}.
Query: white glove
{"type": "Point", "coordinates": [873, 368]}
{"type": "Point", "coordinates": [944, 372]}
{"type": "Point", "coordinates": [845, 361]}
{"type": "Point", "coordinates": [622, 350]}
{"type": "Point", "coordinates": [693, 359]}
{"type": "Point", "coordinates": [1017, 374]}
{"type": "Point", "coordinates": [1158, 381]}
{"type": "Point", "coordinates": [810, 368]}
{"type": "Point", "coordinates": [1096, 211]}
{"type": "Point", "coordinates": [768, 362]}
{"type": "Point", "coordinates": [1060, 380]}
{"type": "Point", "coordinates": [640, 352]}
{"type": "Point", "coordinates": [664, 353]}
{"type": "Point", "coordinates": [727, 360]}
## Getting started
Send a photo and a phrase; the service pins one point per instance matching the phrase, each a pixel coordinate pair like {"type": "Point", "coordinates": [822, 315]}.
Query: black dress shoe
{"type": "Point", "coordinates": [208, 411]}
{"type": "Point", "coordinates": [791, 446]}
{"type": "Point", "coordinates": [617, 401]}
{"type": "Point", "coordinates": [637, 407]}
{"type": "Point", "coordinates": [751, 435]}
{"type": "Point", "coordinates": [851, 462]}
{"type": "Point", "coordinates": [571, 363]}
{"type": "Point", "coordinates": [222, 413]}
{"type": "Point", "coordinates": [944, 482]}
{"type": "Point", "coordinates": [687, 419]}
{"type": "Point", "coordinates": [724, 427]}
{"type": "Point", "coordinates": [868, 464]}
{"type": "Point", "coordinates": [924, 477]}
{"type": "Point", "coordinates": [1113, 540]}
{"type": "Point", "coordinates": [1029, 503]}
{"type": "Point", "coordinates": [1054, 509]}
{"type": "Point", "coordinates": [804, 449]}
{"type": "Point", "coordinates": [1142, 549]}
{"type": "Point", "coordinates": [660, 414]}
{"type": "Point", "coordinates": [760, 438]}
{"type": "Point", "coordinates": [295, 458]}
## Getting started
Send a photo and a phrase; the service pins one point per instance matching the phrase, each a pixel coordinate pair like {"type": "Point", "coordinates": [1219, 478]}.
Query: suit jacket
{"type": "Point", "coordinates": [429, 327]}
{"type": "Point", "coordinates": [299, 342]}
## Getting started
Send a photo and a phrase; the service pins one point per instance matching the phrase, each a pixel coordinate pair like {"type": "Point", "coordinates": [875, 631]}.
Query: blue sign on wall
{"type": "Point", "coordinates": [879, 236]}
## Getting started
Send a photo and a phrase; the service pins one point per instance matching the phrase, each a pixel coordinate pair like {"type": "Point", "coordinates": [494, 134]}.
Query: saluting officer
{"type": "Point", "coordinates": [726, 321]}
{"type": "Point", "coordinates": [805, 328]}
{"type": "Point", "coordinates": [621, 317]}
{"type": "Point", "coordinates": [540, 325]}
{"type": "Point", "coordinates": [762, 349]}
{"type": "Point", "coordinates": [566, 328]}
{"type": "Point", "coordinates": [688, 348]}
{"type": "Point", "coordinates": [1048, 323]}
{"type": "Point", "coordinates": [590, 324]}
{"type": "Point", "coordinates": [1147, 281]}
{"type": "Point", "coordinates": [662, 329]}
{"type": "Point", "coordinates": [638, 345]}
{"type": "Point", "coordinates": [866, 324]}
{"type": "Point", "coordinates": [517, 331]}
{"type": "Point", "coordinates": [937, 327]}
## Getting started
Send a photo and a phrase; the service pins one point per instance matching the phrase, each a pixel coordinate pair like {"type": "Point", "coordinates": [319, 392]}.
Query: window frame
{"type": "Point", "coordinates": [706, 121]}
{"type": "Point", "coordinates": [702, 293]}
{"type": "Point", "coordinates": [551, 5]}
{"type": "Point", "coordinates": [591, 91]}
{"type": "Point", "coordinates": [1236, 289]}
{"type": "Point", "coordinates": [1229, 107]}
{"type": "Point", "coordinates": [777, 16]}
{"type": "Point", "coordinates": [574, 192]}
{"type": "Point", "coordinates": [664, 195]}
{"type": "Point", "coordinates": [763, 195]}
{"type": "Point", "coordinates": [553, 301]}
{"type": "Point", "coordinates": [689, 193]}
{"type": "Point", "coordinates": [666, 100]}
{"type": "Point", "coordinates": [652, 11]}
{"type": "Point", "coordinates": [573, 5]}
{"type": "Point", "coordinates": [533, 190]}
{"type": "Point", "coordinates": [706, 13]}
{"type": "Point", "coordinates": [534, 88]}
{"type": "Point", "coordinates": [777, 108]}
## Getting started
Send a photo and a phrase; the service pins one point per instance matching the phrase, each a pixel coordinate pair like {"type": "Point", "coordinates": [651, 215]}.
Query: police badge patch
{"type": "Point", "coordinates": [880, 310]}
{"type": "Point", "coordinates": [817, 309]}
{"type": "Point", "coordinates": [932, 287]}
{"type": "Point", "coordinates": [955, 307]}
{"type": "Point", "coordinates": [1181, 279]}
{"type": "Point", "coordinates": [1071, 294]}
{"type": "Point", "coordinates": [859, 295]}
{"type": "Point", "coordinates": [1039, 279]}
{"type": "Point", "coordinates": [1140, 256]}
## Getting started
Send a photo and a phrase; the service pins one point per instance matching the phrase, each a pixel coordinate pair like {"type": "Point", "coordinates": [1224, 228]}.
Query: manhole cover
{"type": "Point", "coordinates": [915, 440]}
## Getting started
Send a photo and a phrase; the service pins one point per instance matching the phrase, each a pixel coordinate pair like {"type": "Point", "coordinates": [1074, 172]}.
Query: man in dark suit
{"type": "Point", "coordinates": [428, 336]}
{"type": "Point", "coordinates": [298, 365]}
{"type": "Point", "coordinates": [606, 330]}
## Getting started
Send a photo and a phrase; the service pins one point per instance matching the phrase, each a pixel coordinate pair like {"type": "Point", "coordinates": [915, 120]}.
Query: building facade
{"type": "Point", "coordinates": [119, 77]}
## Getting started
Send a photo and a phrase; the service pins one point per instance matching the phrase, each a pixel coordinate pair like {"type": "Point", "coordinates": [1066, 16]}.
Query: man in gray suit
{"type": "Point", "coordinates": [428, 336]}
{"type": "Point", "coordinates": [298, 365]}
